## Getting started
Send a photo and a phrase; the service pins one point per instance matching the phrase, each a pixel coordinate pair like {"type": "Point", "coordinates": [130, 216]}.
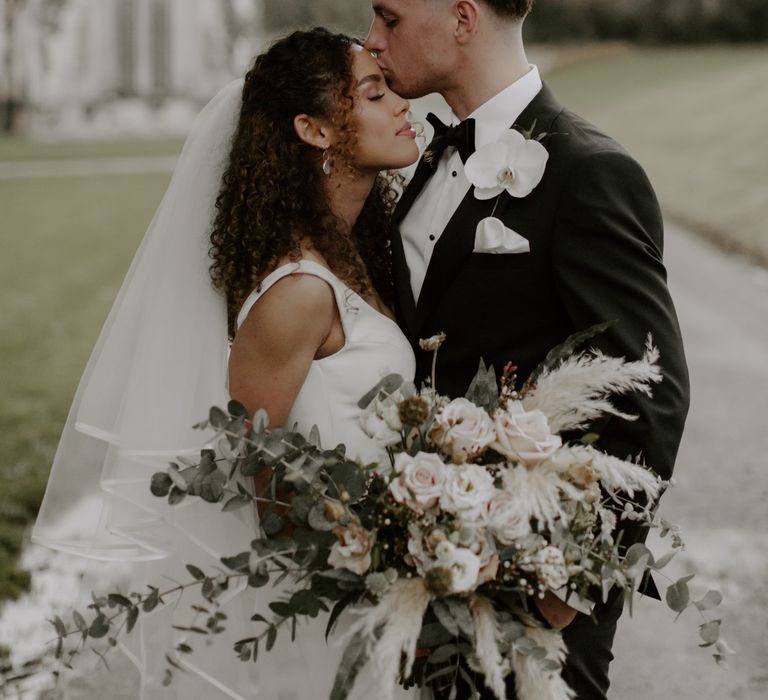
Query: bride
{"type": "Point", "coordinates": [271, 239]}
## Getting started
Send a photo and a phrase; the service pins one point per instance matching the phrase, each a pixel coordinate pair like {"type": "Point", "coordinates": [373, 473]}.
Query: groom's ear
{"type": "Point", "coordinates": [313, 131]}
{"type": "Point", "coordinates": [466, 14]}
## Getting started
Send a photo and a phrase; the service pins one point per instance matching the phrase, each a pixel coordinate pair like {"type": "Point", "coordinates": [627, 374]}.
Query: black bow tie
{"type": "Point", "coordinates": [461, 136]}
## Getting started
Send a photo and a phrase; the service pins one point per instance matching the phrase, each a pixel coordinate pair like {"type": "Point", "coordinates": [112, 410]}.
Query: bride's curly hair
{"type": "Point", "coordinates": [272, 194]}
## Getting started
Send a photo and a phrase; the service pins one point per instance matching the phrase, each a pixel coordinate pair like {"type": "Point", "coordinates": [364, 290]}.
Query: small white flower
{"type": "Point", "coordinates": [468, 489]}
{"type": "Point", "coordinates": [463, 564]}
{"type": "Point", "coordinates": [419, 481]}
{"type": "Point", "coordinates": [549, 564]}
{"type": "Point", "coordinates": [513, 163]}
{"type": "Point", "coordinates": [524, 435]}
{"type": "Point", "coordinates": [462, 430]}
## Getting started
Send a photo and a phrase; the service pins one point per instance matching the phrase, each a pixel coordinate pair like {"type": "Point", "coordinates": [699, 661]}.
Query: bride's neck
{"type": "Point", "coordinates": [347, 195]}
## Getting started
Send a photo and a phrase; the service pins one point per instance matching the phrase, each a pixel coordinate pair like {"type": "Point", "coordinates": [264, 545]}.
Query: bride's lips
{"type": "Point", "coordinates": [407, 130]}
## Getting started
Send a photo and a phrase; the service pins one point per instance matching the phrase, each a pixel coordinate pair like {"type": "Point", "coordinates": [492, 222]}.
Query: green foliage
{"type": "Point", "coordinates": [483, 390]}
{"type": "Point", "coordinates": [649, 21]}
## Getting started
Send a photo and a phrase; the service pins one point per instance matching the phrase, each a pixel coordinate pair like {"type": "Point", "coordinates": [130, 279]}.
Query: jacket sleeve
{"type": "Point", "coordinates": [606, 252]}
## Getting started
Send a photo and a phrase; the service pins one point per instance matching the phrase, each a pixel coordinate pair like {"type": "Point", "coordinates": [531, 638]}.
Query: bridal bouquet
{"type": "Point", "coordinates": [481, 506]}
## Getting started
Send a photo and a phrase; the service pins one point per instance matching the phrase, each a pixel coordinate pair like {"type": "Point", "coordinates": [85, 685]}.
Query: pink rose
{"type": "Point", "coordinates": [462, 430]}
{"type": "Point", "coordinates": [419, 480]}
{"type": "Point", "coordinates": [524, 435]}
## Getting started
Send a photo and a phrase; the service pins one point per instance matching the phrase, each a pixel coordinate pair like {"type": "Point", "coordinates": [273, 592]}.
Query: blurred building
{"type": "Point", "coordinates": [121, 65]}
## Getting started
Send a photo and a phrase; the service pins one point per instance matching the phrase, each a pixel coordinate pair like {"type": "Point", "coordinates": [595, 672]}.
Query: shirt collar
{"type": "Point", "coordinates": [498, 114]}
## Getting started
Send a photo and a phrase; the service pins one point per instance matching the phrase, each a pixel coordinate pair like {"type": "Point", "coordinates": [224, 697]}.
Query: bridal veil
{"type": "Point", "coordinates": [158, 366]}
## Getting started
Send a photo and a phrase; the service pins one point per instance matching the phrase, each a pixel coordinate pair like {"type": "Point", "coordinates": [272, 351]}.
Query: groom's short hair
{"type": "Point", "coordinates": [513, 9]}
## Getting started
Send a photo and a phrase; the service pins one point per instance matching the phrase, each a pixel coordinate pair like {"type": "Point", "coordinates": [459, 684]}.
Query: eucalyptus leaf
{"type": "Point", "coordinates": [445, 617]}
{"type": "Point", "coordinates": [239, 562]}
{"type": "Point", "coordinates": [176, 496]}
{"type": "Point", "coordinates": [237, 409]}
{"type": "Point", "coordinates": [212, 487]}
{"type": "Point", "coordinates": [271, 637]}
{"type": "Point", "coordinates": [118, 599]}
{"type": "Point", "coordinates": [463, 617]}
{"type": "Point", "coordinates": [151, 601]}
{"type": "Point", "coordinates": [678, 596]}
{"type": "Point", "coordinates": [99, 627]}
{"type": "Point", "coordinates": [196, 573]}
{"type": "Point", "coordinates": [237, 502]}
{"type": "Point", "coordinates": [80, 622]}
{"type": "Point", "coordinates": [217, 418]}
{"type": "Point", "coordinates": [443, 653]}
{"type": "Point", "coordinates": [711, 600]}
{"type": "Point", "coordinates": [130, 620]}
{"type": "Point", "coordinates": [271, 523]}
{"type": "Point", "coordinates": [709, 632]}
{"type": "Point", "coordinates": [660, 563]}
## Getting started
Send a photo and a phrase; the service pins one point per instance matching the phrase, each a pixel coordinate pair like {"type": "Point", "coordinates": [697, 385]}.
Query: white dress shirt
{"type": "Point", "coordinates": [436, 204]}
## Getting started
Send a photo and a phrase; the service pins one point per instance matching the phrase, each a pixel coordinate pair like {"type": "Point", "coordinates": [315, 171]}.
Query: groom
{"type": "Point", "coordinates": [573, 238]}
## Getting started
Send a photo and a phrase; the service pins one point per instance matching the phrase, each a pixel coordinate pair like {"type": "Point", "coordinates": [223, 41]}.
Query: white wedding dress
{"type": "Point", "coordinates": [374, 347]}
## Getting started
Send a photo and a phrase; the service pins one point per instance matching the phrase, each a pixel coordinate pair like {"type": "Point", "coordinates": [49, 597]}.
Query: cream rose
{"type": "Point", "coordinates": [508, 517]}
{"type": "Point", "coordinates": [468, 489]}
{"type": "Point", "coordinates": [352, 550]}
{"type": "Point", "coordinates": [419, 480]}
{"type": "Point", "coordinates": [524, 435]}
{"type": "Point", "coordinates": [462, 430]}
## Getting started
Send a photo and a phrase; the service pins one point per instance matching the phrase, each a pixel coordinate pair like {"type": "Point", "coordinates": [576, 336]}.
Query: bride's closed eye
{"type": "Point", "coordinates": [376, 97]}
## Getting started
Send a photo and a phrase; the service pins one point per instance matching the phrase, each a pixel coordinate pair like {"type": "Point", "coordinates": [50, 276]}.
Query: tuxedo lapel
{"type": "Point", "coordinates": [457, 240]}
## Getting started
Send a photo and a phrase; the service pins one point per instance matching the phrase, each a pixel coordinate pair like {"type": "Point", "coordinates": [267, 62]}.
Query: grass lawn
{"type": "Point", "coordinates": [695, 119]}
{"type": "Point", "coordinates": [22, 149]}
{"type": "Point", "coordinates": [66, 245]}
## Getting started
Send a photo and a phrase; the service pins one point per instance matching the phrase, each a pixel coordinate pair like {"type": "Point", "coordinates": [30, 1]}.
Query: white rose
{"type": "Point", "coordinates": [524, 435]}
{"type": "Point", "coordinates": [463, 564]}
{"type": "Point", "coordinates": [462, 430]}
{"type": "Point", "coordinates": [468, 489]}
{"type": "Point", "coordinates": [419, 481]}
{"type": "Point", "coordinates": [352, 550]}
{"type": "Point", "coordinates": [508, 517]}
{"type": "Point", "coordinates": [550, 566]}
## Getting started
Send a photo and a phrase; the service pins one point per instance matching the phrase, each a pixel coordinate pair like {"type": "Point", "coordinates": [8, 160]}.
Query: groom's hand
{"type": "Point", "coordinates": [555, 611]}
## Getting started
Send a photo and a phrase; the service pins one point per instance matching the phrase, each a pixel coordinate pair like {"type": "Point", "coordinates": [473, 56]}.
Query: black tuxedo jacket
{"type": "Point", "coordinates": [596, 235]}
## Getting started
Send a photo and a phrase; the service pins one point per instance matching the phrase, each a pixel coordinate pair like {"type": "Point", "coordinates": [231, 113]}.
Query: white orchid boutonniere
{"type": "Point", "coordinates": [514, 163]}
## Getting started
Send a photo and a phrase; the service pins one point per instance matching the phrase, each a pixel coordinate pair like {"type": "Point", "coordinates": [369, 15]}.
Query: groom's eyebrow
{"type": "Point", "coordinates": [372, 78]}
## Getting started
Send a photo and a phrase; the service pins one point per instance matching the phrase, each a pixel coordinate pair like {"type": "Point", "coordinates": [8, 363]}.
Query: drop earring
{"type": "Point", "coordinates": [326, 162]}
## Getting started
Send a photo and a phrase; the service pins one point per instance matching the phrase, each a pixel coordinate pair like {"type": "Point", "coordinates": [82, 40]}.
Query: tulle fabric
{"type": "Point", "coordinates": [158, 366]}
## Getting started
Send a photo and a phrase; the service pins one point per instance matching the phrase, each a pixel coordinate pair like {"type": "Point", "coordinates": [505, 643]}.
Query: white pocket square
{"type": "Point", "coordinates": [492, 236]}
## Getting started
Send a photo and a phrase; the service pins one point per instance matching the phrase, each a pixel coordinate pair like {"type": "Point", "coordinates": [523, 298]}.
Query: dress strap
{"type": "Point", "coordinates": [341, 292]}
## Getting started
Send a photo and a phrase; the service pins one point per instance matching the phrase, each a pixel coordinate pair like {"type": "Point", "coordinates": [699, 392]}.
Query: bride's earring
{"type": "Point", "coordinates": [326, 162]}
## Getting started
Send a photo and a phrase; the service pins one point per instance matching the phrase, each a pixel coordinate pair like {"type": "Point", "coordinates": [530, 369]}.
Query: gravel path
{"type": "Point", "coordinates": [721, 496]}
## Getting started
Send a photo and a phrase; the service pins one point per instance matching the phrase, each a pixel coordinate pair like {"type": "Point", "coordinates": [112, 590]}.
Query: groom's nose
{"type": "Point", "coordinates": [374, 41]}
